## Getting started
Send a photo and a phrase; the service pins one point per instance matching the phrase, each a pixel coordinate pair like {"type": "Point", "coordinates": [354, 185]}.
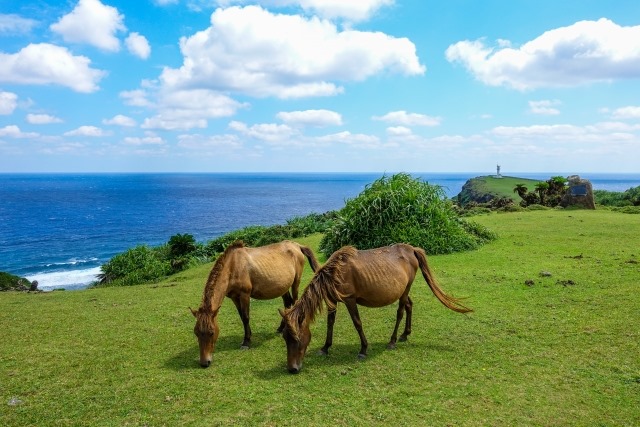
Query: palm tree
{"type": "Point", "coordinates": [542, 188]}
{"type": "Point", "coordinates": [521, 189]}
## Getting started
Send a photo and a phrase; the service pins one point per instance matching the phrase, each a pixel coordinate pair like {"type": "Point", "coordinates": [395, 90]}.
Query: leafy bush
{"type": "Point", "coordinates": [630, 197]}
{"type": "Point", "coordinates": [9, 281]}
{"type": "Point", "coordinates": [401, 209]}
{"type": "Point", "coordinates": [138, 265]}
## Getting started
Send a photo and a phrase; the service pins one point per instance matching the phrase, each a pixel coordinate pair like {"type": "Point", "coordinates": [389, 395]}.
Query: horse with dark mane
{"type": "Point", "coordinates": [371, 278]}
{"type": "Point", "coordinates": [242, 273]}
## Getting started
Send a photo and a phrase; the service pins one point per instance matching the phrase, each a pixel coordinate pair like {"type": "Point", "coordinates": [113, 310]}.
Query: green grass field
{"type": "Point", "coordinates": [563, 350]}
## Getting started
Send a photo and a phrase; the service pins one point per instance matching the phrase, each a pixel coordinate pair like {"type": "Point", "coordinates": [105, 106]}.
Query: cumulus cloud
{"type": "Point", "coordinates": [203, 143]}
{"type": "Point", "coordinates": [15, 24]}
{"type": "Point", "coordinates": [13, 131]}
{"type": "Point", "coordinates": [623, 113]}
{"type": "Point", "coordinates": [314, 118]}
{"type": "Point", "coordinates": [138, 45]}
{"type": "Point", "coordinates": [120, 120]}
{"type": "Point", "coordinates": [544, 107]}
{"type": "Point", "coordinates": [346, 137]}
{"type": "Point", "coordinates": [252, 51]}
{"type": "Point", "coordinates": [44, 63]}
{"type": "Point", "coordinates": [42, 119]}
{"type": "Point", "coordinates": [8, 102]}
{"type": "Point", "coordinates": [136, 98]}
{"type": "Point", "coordinates": [331, 9]}
{"type": "Point", "coordinates": [86, 131]}
{"type": "Point", "coordinates": [585, 52]}
{"type": "Point", "coordinates": [93, 23]}
{"type": "Point", "coordinates": [409, 119]}
{"type": "Point", "coordinates": [187, 109]}
{"type": "Point", "coordinates": [269, 132]}
{"type": "Point", "coordinates": [149, 139]}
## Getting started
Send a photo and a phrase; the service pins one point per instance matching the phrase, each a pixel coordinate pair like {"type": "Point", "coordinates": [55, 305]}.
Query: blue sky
{"type": "Point", "coordinates": [320, 85]}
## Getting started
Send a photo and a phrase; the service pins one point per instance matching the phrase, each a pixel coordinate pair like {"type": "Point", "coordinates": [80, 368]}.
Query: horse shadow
{"type": "Point", "coordinates": [187, 359]}
{"type": "Point", "coordinates": [341, 356]}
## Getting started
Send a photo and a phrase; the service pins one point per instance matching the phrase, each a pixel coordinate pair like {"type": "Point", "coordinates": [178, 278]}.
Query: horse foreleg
{"type": "Point", "coordinates": [399, 314]}
{"type": "Point", "coordinates": [242, 304]}
{"type": "Point", "coordinates": [288, 301]}
{"type": "Point", "coordinates": [352, 306]}
{"type": "Point", "coordinates": [331, 320]}
{"type": "Point", "coordinates": [407, 326]}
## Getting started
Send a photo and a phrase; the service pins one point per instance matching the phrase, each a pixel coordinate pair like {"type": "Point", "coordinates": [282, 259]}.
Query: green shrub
{"type": "Point", "coordinates": [138, 265]}
{"type": "Point", "coordinates": [536, 207]}
{"type": "Point", "coordinates": [9, 281]}
{"type": "Point", "coordinates": [401, 209]}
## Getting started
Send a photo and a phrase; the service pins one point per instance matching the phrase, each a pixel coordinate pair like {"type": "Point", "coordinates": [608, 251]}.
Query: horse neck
{"type": "Point", "coordinates": [318, 291]}
{"type": "Point", "coordinates": [216, 289]}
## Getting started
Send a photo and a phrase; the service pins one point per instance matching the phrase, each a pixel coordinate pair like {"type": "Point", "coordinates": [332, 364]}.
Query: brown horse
{"type": "Point", "coordinates": [371, 278]}
{"type": "Point", "coordinates": [241, 273]}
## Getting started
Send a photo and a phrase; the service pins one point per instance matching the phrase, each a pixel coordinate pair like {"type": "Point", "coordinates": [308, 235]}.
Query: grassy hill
{"type": "Point", "coordinates": [552, 349]}
{"type": "Point", "coordinates": [483, 188]}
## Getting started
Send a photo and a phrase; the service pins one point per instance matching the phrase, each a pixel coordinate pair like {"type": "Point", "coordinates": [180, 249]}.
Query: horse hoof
{"type": "Point", "coordinates": [244, 347]}
{"type": "Point", "coordinates": [391, 346]}
{"type": "Point", "coordinates": [362, 356]}
{"type": "Point", "coordinates": [322, 352]}
{"type": "Point", "coordinates": [402, 338]}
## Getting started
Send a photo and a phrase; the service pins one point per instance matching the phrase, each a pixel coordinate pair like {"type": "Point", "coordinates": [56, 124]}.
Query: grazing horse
{"type": "Point", "coordinates": [241, 273]}
{"type": "Point", "coordinates": [371, 278]}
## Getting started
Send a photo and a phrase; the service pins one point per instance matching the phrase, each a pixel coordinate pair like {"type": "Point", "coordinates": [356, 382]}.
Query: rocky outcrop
{"type": "Point", "coordinates": [579, 193]}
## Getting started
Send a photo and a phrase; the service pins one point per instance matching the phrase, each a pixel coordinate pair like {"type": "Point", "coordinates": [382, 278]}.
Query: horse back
{"type": "Point", "coordinates": [379, 277]}
{"type": "Point", "coordinates": [269, 270]}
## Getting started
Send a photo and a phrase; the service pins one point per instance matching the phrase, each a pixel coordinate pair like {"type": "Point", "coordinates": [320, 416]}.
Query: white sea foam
{"type": "Point", "coordinates": [72, 279]}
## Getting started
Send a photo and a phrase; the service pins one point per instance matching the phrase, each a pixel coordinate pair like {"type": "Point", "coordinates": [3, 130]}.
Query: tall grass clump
{"type": "Point", "coordinates": [402, 209]}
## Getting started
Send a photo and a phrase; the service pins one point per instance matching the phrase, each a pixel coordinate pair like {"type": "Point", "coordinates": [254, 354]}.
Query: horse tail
{"type": "Point", "coordinates": [313, 262]}
{"type": "Point", "coordinates": [449, 301]}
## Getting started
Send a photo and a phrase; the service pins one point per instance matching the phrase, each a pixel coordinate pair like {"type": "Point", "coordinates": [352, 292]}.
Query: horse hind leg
{"type": "Point", "coordinates": [399, 314]}
{"type": "Point", "coordinates": [288, 301]}
{"type": "Point", "coordinates": [408, 306]}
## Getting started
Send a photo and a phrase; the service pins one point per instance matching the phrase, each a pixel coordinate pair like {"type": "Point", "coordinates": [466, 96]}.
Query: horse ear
{"type": "Point", "coordinates": [194, 312]}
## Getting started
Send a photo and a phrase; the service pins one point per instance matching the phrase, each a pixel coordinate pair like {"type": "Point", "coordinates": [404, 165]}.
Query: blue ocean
{"type": "Point", "coordinates": [59, 228]}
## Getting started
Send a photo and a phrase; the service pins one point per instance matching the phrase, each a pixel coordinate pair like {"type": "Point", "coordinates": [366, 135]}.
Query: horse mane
{"type": "Point", "coordinates": [215, 272]}
{"type": "Point", "coordinates": [321, 288]}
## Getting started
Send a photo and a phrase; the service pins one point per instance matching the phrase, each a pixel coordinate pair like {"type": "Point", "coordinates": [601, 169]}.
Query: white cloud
{"type": "Point", "coordinates": [148, 139]}
{"type": "Point", "coordinates": [165, 2]}
{"type": "Point", "coordinates": [409, 119]}
{"type": "Point", "coordinates": [544, 107]}
{"type": "Point", "coordinates": [41, 64]}
{"type": "Point", "coordinates": [252, 51]}
{"type": "Point", "coordinates": [120, 120]}
{"type": "Point", "coordinates": [331, 9]}
{"type": "Point", "coordinates": [138, 45]}
{"type": "Point", "coordinates": [585, 52]}
{"type": "Point", "coordinates": [187, 109]}
{"type": "Point", "coordinates": [315, 118]}
{"type": "Point", "coordinates": [93, 23]}
{"type": "Point", "coordinates": [15, 24]}
{"type": "Point", "coordinates": [401, 131]}
{"type": "Point", "coordinates": [86, 131]}
{"type": "Point", "coordinates": [346, 137]}
{"type": "Point", "coordinates": [14, 131]}
{"type": "Point", "coordinates": [136, 98]}
{"type": "Point", "coordinates": [42, 119]}
{"type": "Point", "coordinates": [630, 112]}
{"type": "Point", "coordinates": [8, 102]}
{"type": "Point", "coordinates": [269, 132]}
{"type": "Point", "coordinates": [203, 143]}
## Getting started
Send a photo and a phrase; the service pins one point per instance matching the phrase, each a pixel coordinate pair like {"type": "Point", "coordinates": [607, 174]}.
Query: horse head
{"type": "Point", "coordinates": [297, 335]}
{"type": "Point", "coordinates": [206, 330]}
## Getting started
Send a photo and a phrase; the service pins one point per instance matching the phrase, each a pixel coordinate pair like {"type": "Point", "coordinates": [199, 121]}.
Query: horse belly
{"type": "Point", "coordinates": [269, 285]}
{"type": "Point", "coordinates": [377, 293]}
